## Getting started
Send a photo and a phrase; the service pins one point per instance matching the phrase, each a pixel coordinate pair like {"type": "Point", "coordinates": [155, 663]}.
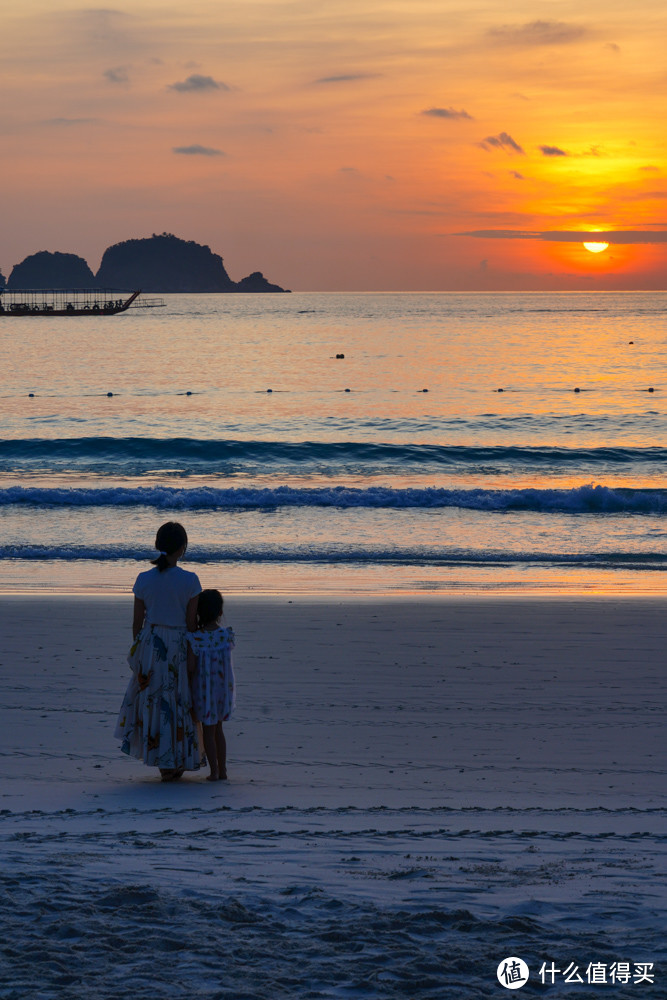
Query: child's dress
{"type": "Point", "coordinates": [213, 684]}
{"type": "Point", "coordinates": [155, 721]}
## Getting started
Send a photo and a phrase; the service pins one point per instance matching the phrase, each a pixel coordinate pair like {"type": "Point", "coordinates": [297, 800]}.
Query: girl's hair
{"type": "Point", "coordinates": [209, 607]}
{"type": "Point", "coordinates": [169, 539]}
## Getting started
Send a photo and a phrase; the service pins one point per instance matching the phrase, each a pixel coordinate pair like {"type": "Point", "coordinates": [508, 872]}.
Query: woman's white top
{"type": "Point", "coordinates": [166, 595]}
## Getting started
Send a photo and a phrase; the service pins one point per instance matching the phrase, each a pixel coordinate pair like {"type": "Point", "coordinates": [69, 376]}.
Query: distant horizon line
{"type": "Point", "coordinates": [384, 291]}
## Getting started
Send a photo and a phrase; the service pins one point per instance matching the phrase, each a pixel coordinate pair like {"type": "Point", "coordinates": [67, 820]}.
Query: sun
{"type": "Point", "coordinates": [596, 247]}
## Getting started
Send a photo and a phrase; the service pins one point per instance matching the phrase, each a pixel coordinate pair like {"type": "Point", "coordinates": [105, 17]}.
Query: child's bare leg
{"type": "Point", "coordinates": [211, 752]}
{"type": "Point", "coordinates": [221, 751]}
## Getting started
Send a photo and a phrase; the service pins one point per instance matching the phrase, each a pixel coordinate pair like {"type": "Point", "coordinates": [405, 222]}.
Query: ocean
{"type": "Point", "coordinates": [336, 443]}
{"type": "Point", "coordinates": [419, 791]}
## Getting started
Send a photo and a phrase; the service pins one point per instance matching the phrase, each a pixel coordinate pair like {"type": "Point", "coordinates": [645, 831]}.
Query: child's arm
{"type": "Point", "coordinates": [139, 616]}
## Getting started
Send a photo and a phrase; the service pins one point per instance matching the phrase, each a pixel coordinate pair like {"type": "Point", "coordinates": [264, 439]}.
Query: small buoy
{"type": "Point", "coordinates": [631, 342]}
{"type": "Point", "coordinates": [651, 389]}
{"type": "Point", "coordinates": [269, 390]}
{"type": "Point", "coordinates": [31, 395]}
{"type": "Point", "coordinates": [349, 390]}
{"type": "Point", "coordinates": [500, 390]}
{"type": "Point", "coordinates": [576, 390]}
{"type": "Point", "coordinates": [109, 394]}
{"type": "Point", "coordinates": [339, 356]}
{"type": "Point", "coordinates": [188, 393]}
{"type": "Point", "coordinates": [424, 390]}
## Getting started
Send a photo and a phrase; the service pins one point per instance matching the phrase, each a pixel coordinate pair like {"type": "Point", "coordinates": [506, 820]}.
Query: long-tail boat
{"type": "Point", "coordinates": [65, 302]}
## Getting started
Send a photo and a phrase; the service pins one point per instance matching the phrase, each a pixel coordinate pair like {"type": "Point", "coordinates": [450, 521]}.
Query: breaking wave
{"type": "Point", "coordinates": [589, 499]}
{"type": "Point", "coordinates": [342, 554]}
{"type": "Point", "coordinates": [140, 454]}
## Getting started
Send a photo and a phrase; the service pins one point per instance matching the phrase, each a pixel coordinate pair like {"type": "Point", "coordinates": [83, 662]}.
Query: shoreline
{"type": "Point", "coordinates": [366, 597]}
{"type": "Point", "coordinates": [619, 588]}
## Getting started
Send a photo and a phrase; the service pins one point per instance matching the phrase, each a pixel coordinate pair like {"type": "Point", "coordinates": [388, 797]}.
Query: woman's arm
{"type": "Point", "coordinates": [191, 614]}
{"type": "Point", "coordinates": [139, 616]}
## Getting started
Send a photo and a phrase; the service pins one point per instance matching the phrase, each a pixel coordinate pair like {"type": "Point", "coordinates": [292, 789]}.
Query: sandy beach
{"type": "Point", "coordinates": [489, 772]}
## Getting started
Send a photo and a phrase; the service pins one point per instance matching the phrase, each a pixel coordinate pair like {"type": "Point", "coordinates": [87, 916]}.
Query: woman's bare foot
{"type": "Point", "coordinates": [213, 776]}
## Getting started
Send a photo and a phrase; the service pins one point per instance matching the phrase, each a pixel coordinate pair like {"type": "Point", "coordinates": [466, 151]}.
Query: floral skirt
{"type": "Point", "coordinates": [155, 721]}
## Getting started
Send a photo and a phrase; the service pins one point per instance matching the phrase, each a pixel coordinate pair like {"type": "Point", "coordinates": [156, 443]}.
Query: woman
{"type": "Point", "coordinates": [155, 721]}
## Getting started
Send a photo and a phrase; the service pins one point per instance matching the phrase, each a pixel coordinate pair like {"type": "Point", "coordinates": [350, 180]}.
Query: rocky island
{"type": "Point", "coordinates": [159, 263]}
{"type": "Point", "coordinates": [52, 270]}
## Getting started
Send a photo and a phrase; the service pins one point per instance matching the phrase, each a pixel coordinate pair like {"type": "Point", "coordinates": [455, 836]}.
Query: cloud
{"type": "Point", "coordinates": [517, 176]}
{"type": "Point", "coordinates": [101, 29]}
{"type": "Point", "coordinates": [552, 151]}
{"type": "Point", "coordinates": [347, 77]}
{"type": "Point", "coordinates": [117, 74]}
{"type": "Point", "coordinates": [447, 113]}
{"type": "Point", "coordinates": [97, 15]}
{"type": "Point", "coordinates": [197, 150]}
{"type": "Point", "coordinates": [196, 82]}
{"type": "Point", "coordinates": [422, 211]}
{"type": "Point", "coordinates": [101, 12]}
{"type": "Point", "coordinates": [69, 122]}
{"type": "Point", "coordinates": [616, 236]}
{"type": "Point", "coordinates": [502, 141]}
{"type": "Point", "coordinates": [538, 33]}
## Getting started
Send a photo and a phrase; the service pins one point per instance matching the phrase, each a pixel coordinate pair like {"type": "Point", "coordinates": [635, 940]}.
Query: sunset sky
{"type": "Point", "coordinates": [347, 144]}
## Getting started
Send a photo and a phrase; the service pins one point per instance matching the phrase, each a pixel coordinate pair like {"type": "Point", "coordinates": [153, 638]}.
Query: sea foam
{"type": "Point", "coordinates": [588, 499]}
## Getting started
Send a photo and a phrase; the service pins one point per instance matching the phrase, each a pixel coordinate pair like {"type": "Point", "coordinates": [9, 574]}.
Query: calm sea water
{"type": "Point", "coordinates": [477, 442]}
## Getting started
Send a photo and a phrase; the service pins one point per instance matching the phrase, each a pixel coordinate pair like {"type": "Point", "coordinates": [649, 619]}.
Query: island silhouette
{"type": "Point", "coordinates": [158, 263]}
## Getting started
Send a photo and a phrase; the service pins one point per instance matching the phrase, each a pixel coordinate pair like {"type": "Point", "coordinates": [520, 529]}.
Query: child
{"type": "Point", "coordinates": [212, 679]}
{"type": "Point", "coordinates": [155, 721]}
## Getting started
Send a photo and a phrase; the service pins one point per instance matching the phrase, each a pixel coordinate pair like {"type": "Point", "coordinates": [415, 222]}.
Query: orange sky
{"type": "Point", "coordinates": [345, 144]}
